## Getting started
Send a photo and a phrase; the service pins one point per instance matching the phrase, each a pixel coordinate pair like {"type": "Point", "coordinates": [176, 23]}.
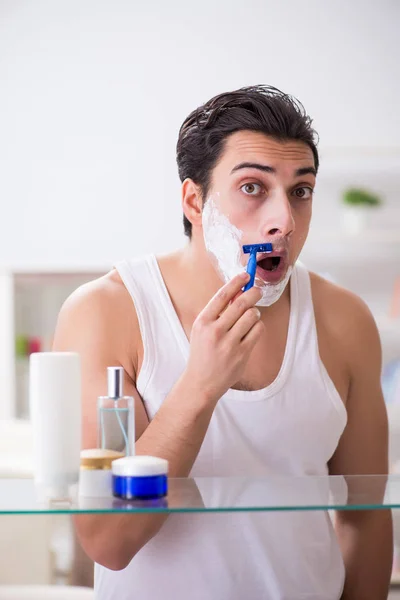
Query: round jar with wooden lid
{"type": "Point", "coordinates": [95, 478]}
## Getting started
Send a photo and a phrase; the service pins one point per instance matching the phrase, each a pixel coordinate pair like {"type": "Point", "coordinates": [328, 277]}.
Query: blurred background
{"type": "Point", "coordinates": [92, 95]}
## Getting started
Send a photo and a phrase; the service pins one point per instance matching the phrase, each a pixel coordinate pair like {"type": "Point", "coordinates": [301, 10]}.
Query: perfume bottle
{"type": "Point", "coordinates": [116, 416]}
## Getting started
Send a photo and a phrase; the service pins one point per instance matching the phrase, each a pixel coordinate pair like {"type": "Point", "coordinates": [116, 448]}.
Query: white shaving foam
{"type": "Point", "coordinates": [224, 243]}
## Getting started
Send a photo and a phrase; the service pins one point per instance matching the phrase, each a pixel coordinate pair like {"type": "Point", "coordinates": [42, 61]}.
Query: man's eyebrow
{"type": "Point", "coordinates": [248, 165]}
{"type": "Point", "coordinates": [306, 171]}
{"type": "Point", "coordinates": [268, 169]}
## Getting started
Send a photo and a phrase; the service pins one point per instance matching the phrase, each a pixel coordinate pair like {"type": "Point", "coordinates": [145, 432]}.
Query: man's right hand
{"type": "Point", "coordinates": [222, 338]}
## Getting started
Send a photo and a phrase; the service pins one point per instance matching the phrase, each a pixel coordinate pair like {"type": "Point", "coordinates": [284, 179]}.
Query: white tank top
{"type": "Point", "coordinates": [291, 427]}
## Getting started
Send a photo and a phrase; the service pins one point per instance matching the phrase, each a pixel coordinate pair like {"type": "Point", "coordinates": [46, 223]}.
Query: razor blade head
{"type": "Point", "coordinates": [249, 248]}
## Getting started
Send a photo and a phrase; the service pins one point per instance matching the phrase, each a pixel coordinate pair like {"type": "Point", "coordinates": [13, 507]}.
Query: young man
{"type": "Point", "coordinates": [289, 388]}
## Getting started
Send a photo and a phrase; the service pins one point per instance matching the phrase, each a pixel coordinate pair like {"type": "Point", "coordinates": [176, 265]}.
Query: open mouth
{"type": "Point", "coordinates": [272, 269]}
{"type": "Point", "coordinates": [270, 263]}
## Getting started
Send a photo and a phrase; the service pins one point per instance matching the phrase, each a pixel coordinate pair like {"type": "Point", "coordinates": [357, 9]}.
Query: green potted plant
{"type": "Point", "coordinates": [358, 206]}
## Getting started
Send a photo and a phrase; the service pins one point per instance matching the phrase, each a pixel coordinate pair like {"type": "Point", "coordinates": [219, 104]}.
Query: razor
{"type": "Point", "coordinates": [253, 249]}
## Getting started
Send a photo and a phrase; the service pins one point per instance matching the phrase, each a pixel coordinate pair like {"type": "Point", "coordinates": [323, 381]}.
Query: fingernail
{"type": "Point", "coordinates": [258, 313]}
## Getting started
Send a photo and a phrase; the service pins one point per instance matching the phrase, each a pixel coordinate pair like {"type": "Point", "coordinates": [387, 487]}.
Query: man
{"type": "Point", "coordinates": [289, 388]}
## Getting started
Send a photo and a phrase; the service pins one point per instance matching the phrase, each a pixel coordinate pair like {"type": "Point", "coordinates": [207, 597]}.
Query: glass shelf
{"type": "Point", "coordinates": [229, 494]}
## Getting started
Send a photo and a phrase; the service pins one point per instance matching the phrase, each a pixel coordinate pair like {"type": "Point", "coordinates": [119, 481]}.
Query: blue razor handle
{"type": "Point", "coordinates": [253, 249]}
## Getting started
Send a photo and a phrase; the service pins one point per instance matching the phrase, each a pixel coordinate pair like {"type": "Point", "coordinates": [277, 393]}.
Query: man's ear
{"type": "Point", "coordinates": [192, 202]}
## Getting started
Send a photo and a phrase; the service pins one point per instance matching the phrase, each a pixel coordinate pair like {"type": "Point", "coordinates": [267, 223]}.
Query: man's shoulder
{"type": "Point", "coordinates": [103, 303]}
{"type": "Point", "coordinates": [333, 296]}
{"type": "Point", "coordinates": [104, 293]}
{"type": "Point", "coordinates": [343, 314]}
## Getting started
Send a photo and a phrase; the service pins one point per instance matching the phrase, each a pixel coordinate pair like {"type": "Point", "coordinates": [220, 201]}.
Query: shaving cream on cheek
{"type": "Point", "coordinates": [224, 243]}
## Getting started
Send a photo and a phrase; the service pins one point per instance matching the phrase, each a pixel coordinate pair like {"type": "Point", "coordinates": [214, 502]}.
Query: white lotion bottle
{"type": "Point", "coordinates": [55, 406]}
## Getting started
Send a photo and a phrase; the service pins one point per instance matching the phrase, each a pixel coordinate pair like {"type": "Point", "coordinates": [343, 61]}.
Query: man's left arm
{"type": "Point", "coordinates": [365, 537]}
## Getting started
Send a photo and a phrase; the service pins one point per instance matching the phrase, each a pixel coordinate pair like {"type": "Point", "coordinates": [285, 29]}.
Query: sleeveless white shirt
{"type": "Point", "coordinates": [292, 427]}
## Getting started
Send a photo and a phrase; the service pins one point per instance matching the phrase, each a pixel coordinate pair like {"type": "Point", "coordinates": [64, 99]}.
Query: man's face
{"type": "Point", "coordinates": [264, 187]}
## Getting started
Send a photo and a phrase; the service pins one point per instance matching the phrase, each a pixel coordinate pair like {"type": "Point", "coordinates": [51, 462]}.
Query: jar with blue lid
{"type": "Point", "coordinates": [140, 477]}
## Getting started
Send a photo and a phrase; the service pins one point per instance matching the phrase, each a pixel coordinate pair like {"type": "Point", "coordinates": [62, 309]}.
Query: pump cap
{"type": "Point", "coordinates": [115, 382]}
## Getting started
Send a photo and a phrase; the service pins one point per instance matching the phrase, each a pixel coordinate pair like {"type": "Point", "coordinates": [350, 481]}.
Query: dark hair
{"type": "Point", "coordinates": [262, 108]}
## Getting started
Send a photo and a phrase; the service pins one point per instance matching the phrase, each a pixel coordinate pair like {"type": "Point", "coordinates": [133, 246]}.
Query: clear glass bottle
{"type": "Point", "coordinates": [116, 416]}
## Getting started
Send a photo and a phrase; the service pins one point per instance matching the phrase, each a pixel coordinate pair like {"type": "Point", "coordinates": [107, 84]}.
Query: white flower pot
{"type": "Point", "coordinates": [355, 219]}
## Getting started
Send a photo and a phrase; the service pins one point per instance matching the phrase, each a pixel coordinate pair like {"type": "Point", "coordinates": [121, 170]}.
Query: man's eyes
{"type": "Point", "coordinates": [251, 189]}
{"type": "Point", "coordinates": [255, 189]}
{"type": "Point", "coordinates": [304, 192]}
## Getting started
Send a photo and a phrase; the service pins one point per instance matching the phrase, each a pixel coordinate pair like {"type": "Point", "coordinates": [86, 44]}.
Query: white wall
{"type": "Point", "coordinates": [92, 94]}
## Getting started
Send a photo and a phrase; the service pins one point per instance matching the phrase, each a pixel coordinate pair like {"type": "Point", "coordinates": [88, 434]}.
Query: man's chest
{"type": "Point", "coordinates": [266, 359]}
{"type": "Point", "coordinates": [265, 362]}
{"type": "Point", "coordinates": [275, 345]}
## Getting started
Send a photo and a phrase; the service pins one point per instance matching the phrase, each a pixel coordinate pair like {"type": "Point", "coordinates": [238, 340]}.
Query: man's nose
{"type": "Point", "coordinates": [279, 221]}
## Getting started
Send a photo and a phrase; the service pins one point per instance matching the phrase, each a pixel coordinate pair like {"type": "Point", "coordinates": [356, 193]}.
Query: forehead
{"type": "Point", "coordinates": [253, 146]}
